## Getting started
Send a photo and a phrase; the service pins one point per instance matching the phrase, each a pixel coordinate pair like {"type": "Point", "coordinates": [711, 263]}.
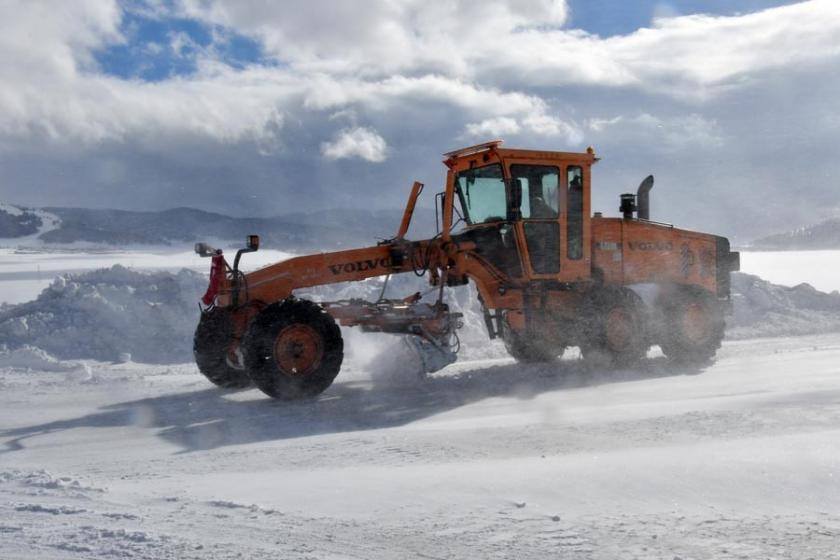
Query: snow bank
{"type": "Point", "coordinates": [109, 313]}
{"type": "Point", "coordinates": [29, 357]}
{"type": "Point", "coordinates": [116, 314]}
{"type": "Point", "coordinates": [765, 309]}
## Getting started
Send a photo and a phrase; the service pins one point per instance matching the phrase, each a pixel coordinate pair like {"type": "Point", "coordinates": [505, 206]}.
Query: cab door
{"type": "Point", "coordinates": [538, 228]}
{"type": "Point", "coordinates": [552, 229]}
{"type": "Point", "coordinates": [576, 250]}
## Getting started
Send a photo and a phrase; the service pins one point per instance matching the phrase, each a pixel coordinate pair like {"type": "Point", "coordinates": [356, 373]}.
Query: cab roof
{"type": "Point", "coordinates": [492, 148]}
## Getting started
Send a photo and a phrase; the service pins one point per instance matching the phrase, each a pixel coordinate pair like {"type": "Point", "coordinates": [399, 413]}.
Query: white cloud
{"type": "Point", "coordinates": [410, 35]}
{"type": "Point", "coordinates": [546, 125]}
{"type": "Point", "coordinates": [497, 126]}
{"type": "Point", "coordinates": [424, 75]}
{"type": "Point", "coordinates": [359, 142]}
{"type": "Point", "coordinates": [668, 132]}
{"type": "Point", "coordinates": [482, 65]}
{"type": "Point", "coordinates": [507, 43]}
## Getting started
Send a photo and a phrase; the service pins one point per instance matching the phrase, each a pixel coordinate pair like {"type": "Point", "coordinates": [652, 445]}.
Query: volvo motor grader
{"type": "Point", "coordinates": [517, 223]}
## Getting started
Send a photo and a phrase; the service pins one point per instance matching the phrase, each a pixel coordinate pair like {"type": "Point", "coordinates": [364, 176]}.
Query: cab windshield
{"type": "Point", "coordinates": [482, 193]}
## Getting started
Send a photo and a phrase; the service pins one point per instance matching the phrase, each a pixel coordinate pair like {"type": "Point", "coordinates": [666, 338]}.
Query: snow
{"type": "Point", "coordinates": [110, 314]}
{"type": "Point", "coordinates": [148, 314]}
{"type": "Point", "coordinates": [485, 459]}
{"type": "Point", "coordinates": [25, 273]}
{"type": "Point", "coordinates": [489, 459]}
{"type": "Point", "coordinates": [49, 222]}
{"type": "Point", "coordinates": [10, 209]}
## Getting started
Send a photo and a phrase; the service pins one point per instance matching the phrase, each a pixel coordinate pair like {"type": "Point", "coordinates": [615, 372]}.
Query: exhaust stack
{"type": "Point", "coordinates": [643, 198]}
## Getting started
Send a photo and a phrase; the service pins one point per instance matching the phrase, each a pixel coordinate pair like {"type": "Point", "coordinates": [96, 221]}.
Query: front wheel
{"type": "Point", "coordinates": [293, 349]}
{"type": "Point", "coordinates": [529, 349]}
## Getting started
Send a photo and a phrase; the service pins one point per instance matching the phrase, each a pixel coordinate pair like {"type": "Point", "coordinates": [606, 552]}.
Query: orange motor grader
{"type": "Point", "coordinates": [517, 223]}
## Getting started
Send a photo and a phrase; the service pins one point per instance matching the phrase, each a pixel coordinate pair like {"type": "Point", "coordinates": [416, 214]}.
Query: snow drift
{"type": "Point", "coordinates": [765, 309]}
{"type": "Point", "coordinates": [109, 314]}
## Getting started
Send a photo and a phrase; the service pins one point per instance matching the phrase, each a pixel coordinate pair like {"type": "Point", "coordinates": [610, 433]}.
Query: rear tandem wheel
{"type": "Point", "coordinates": [293, 349]}
{"type": "Point", "coordinates": [694, 327]}
{"type": "Point", "coordinates": [616, 330]}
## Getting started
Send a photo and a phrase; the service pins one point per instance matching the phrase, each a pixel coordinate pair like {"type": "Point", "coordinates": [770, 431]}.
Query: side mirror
{"type": "Point", "coordinates": [252, 242]}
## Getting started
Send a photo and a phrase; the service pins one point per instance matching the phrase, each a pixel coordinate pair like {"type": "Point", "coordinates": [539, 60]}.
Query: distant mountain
{"type": "Point", "coordinates": [17, 222]}
{"type": "Point", "coordinates": [329, 229]}
{"type": "Point", "coordinates": [824, 235]}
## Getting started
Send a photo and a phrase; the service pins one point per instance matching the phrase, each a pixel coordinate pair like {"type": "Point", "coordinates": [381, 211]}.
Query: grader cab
{"type": "Point", "coordinates": [516, 223]}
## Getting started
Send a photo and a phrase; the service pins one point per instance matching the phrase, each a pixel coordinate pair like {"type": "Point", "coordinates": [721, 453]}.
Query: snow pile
{"type": "Point", "coordinates": [107, 314]}
{"type": "Point", "coordinates": [119, 314]}
{"type": "Point", "coordinates": [765, 309]}
{"type": "Point", "coordinates": [29, 357]}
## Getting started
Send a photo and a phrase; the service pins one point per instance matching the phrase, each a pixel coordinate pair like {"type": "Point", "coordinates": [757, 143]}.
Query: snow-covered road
{"type": "Point", "coordinates": [490, 460]}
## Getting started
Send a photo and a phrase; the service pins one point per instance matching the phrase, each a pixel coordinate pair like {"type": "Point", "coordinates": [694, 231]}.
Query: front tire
{"type": "Point", "coordinates": [293, 349]}
{"type": "Point", "coordinates": [211, 348]}
{"type": "Point", "coordinates": [529, 349]}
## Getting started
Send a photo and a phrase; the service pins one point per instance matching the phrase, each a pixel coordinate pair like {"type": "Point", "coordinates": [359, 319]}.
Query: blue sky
{"type": "Point", "coordinates": [620, 17]}
{"type": "Point", "coordinates": [157, 49]}
{"type": "Point", "coordinates": [263, 108]}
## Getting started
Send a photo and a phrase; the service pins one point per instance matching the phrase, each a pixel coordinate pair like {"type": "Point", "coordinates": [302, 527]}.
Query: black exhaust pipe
{"type": "Point", "coordinates": [628, 205]}
{"type": "Point", "coordinates": [643, 198]}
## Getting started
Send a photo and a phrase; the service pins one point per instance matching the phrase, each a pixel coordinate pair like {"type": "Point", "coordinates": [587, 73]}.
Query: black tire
{"type": "Point", "coordinates": [615, 331]}
{"type": "Point", "coordinates": [293, 349]}
{"type": "Point", "coordinates": [682, 340]}
{"type": "Point", "coordinates": [211, 343]}
{"type": "Point", "coordinates": [529, 350]}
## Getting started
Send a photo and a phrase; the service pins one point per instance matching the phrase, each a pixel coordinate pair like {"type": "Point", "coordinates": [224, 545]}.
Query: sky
{"type": "Point", "coordinates": [249, 107]}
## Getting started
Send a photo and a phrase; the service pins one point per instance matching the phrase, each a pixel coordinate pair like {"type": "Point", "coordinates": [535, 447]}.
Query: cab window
{"type": "Point", "coordinates": [483, 195]}
{"type": "Point", "coordinates": [574, 227]}
{"type": "Point", "coordinates": [540, 190]}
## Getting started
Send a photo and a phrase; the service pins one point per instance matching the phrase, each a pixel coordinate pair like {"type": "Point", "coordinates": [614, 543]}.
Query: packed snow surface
{"type": "Point", "coordinates": [488, 459]}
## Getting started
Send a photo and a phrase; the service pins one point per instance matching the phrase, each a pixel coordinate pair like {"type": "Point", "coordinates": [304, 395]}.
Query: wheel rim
{"type": "Point", "coordinates": [695, 323]}
{"type": "Point", "coordinates": [298, 350]}
{"type": "Point", "coordinates": [619, 329]}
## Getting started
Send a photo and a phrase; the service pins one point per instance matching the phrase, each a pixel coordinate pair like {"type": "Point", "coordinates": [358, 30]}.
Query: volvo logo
{"type": "Point", "coordinates": [360, 266]}
{"type": "Point", "coordinates": [650, 245]}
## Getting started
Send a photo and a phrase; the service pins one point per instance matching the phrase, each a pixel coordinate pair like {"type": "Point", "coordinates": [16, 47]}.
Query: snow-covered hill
{"type": "Point", "coordinates": [25, 226]}
{"type": "Point", "coordinates": [824, 235]}
{"type": "Point", "coordinates": [294, 231]}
